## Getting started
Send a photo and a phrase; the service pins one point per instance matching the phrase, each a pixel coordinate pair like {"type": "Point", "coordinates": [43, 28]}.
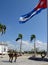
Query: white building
{"type": "Point", "coordinates": [3, 48]}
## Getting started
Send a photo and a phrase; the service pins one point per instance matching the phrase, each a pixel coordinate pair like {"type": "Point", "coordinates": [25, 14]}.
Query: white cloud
{"type": "Point", "coordinates": [41, 45]}
{"type": "Point", "coordinates": [29, 45]}
{"type": "Point", "coordinates": [26, 45]}
{"type": "Point", "coordinates": [10, 44]}
{"type": "Point", "coordinates": [23, 42]}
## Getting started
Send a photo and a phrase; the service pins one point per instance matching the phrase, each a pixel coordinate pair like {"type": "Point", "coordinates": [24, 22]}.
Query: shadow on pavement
{"type": "Point", "coordinates": [38, 59]}
{"type": "Point", "coordinates": [5, 61]}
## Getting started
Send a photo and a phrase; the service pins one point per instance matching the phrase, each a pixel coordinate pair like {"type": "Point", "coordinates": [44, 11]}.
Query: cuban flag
{"type": "Point", "coordinates": [40, 6]}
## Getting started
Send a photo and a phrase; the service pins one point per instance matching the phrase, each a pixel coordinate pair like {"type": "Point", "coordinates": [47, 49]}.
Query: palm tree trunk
{"type": "Point", "coordinates": [34, 48]}
{"type": "Point", "coordinates": [21, 47]}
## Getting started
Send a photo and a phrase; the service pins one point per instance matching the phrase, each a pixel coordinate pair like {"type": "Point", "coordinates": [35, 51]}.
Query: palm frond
{"type": "Point", "coordinates": [20, 36]}
{"type": "Point", "coordinates": [17, 39]}
{"type": "Point", "coordinates": [32, 37]}
{"type": "Point", "coordinates": [2, 29]}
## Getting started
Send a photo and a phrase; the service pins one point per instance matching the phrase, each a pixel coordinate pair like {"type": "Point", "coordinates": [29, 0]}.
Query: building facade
{"type": "Point", "coordinates": [3, 48]}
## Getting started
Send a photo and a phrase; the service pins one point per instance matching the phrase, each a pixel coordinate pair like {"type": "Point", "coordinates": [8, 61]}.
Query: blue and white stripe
{"type": "Point", "coordinates": [26, 17]}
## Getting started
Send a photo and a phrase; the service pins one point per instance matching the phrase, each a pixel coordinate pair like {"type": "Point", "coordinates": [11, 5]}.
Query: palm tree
{"type": "Point", "coordinates": [20, 37]}
{"type": "Point", "coordinates": [33, 37]}
{"type": "Point", "coordinates": [2, 29]}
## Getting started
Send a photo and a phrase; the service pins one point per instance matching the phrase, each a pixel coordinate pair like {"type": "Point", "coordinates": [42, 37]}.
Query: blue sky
{"type": "Point", "coordinates": [11, 10]}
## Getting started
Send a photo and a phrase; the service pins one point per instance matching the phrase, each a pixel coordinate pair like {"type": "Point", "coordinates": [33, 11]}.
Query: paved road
{"type": "Point", "coordinates": [23, 60]}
